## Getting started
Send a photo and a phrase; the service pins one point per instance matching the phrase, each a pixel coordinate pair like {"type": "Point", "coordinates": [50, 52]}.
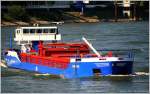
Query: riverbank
{"type": "Point", "coordinates": [60, 16]}
{"type": "Point", "coordinates": [44, 22]}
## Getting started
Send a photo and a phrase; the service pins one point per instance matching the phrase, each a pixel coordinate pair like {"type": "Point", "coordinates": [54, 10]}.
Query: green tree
{"type": "Point", "coordinates": [18, 13]}
{"type": "Point", "coordinates": [7, 17]}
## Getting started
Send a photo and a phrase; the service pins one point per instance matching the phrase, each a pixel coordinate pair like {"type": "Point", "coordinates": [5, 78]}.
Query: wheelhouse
{"type": "Point", "coordinates": [40, 31]}
{"type": "Point", "coordinates": [34, 34]}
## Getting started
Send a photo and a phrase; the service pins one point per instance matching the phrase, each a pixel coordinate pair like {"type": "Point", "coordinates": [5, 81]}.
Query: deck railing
{"type": "Point", "coordinates": [53, 62]}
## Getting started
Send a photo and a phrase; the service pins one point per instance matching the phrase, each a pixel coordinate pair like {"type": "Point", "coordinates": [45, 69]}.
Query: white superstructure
{"type": "Point", "coordinates": [27, 34]}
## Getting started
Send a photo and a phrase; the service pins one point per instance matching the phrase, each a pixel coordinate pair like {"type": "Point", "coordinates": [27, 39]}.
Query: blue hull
{"type": "Point", "coordinates": [76, 69]}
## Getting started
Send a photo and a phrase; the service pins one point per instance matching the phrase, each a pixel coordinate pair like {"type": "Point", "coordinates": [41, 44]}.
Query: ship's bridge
{"type": "Point", "coordinates": [28, 34]}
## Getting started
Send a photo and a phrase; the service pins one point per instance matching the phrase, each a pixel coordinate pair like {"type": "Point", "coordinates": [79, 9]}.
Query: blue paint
{"type": "Point", "coordinates": [75, 69]}
{"type": "Point", "coordinates": [85, 69]}
{"type": "Point", "coordinates": [35, 45]}
{"type": "Point", "coordinates": [119, 68]}
{"type": "Point", "coordinates": [31, 67]}
{"type": "Point", "coordinates": [12, 60]}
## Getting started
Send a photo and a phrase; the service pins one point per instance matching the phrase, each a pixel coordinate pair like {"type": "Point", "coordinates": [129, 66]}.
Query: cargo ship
{"type": "Point", "coordinates": [41, 50]}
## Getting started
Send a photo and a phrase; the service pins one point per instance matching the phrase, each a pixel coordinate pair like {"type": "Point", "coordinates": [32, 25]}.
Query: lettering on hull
{"type": "Point", "coordinates": [102, 64]}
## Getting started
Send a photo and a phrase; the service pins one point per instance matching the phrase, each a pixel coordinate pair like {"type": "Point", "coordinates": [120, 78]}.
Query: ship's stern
{"type": "Point", "coordinates": [122, 67]}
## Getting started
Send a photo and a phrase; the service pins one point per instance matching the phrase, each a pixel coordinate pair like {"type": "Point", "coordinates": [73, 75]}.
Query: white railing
{"type": "Point", "coordinates": [37, 37]}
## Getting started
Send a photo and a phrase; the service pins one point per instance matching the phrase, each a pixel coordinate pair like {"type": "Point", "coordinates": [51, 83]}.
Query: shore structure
{"type": "Point", "coordinates": [45, 13]}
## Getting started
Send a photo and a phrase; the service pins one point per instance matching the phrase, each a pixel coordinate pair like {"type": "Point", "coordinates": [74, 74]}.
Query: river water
{"type": "Point", "coordinates": [105, 35]}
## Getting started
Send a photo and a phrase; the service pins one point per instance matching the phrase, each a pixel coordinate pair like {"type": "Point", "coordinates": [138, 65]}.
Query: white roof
{"type": "Point", "coordinates": [47, 27]}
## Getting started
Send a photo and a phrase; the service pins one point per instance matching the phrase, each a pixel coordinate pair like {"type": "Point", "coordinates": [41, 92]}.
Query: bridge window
{"type": "Point", "coordinates": [32, 30]}
{"type": "Point", "coordinates": [53, 31]}
{"type": "Point", "coordinates": [39, 30]}
{"type": "Point", "coordinates": [26, 30]}
{"type": "Point", "coordinates": [45, 31]}
{"type": "Point", "coordinates": [49, 30]}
